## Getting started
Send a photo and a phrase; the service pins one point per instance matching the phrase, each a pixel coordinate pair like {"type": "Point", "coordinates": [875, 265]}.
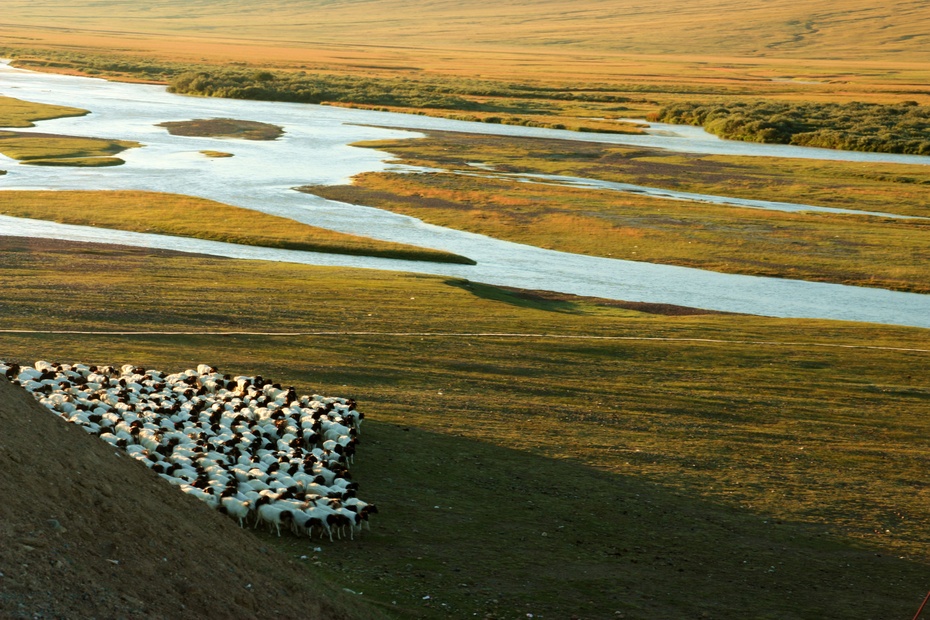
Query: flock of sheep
{"type": "Point", "coordinates": [247, 447]}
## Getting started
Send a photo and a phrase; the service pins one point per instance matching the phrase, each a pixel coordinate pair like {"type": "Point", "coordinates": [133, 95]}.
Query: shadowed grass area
{"type": "Point", "coordinates": [223, 128]}
{"type": "Point", "coordinates": [553, 476]}
{"type": "Point", "coordinates": [19, 113]}
{"type": "Point", "coordinates": [67, 150]}
{"type": "Point", "coordinates": [186, 216]}
{"type": "Point", "coordinates": [849, 249]}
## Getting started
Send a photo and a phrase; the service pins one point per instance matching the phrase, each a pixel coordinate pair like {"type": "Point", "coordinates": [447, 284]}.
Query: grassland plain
{"type": "Point", "coordinates": [187, 216]}
{"type": "Point", "coordinates": [43, 149]}
{"type": "Point", "coordinates": [600, 460]}
{"type": "Point", "coordinates": [50, 149]}
{"type": "Point", "coordinates": [857, 29]}
{"type": "Point", "coordinates": [849, 249]}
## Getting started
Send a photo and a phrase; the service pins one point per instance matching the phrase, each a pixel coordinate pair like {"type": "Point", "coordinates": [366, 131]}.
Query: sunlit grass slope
{"type": "Point", "coordinates": [861, 50]}
{"type": "Point", "coordinates": [860, 29]}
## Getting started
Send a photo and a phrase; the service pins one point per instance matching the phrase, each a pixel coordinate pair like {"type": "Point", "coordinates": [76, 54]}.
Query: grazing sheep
{"type": "Point", "coordinates": [243, 445]}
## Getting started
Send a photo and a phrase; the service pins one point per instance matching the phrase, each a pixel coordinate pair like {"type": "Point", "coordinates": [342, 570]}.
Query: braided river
{"type": "Point", "coordinates": [315, 150]}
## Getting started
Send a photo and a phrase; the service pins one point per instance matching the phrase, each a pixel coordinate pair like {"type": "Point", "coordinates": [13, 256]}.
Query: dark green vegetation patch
{"type": "Point", "coordinates": [223, 128]}
{"type": "Point", "coordinates": [901, 128]}
{"type": "Point", "coordinates": [305, 87]}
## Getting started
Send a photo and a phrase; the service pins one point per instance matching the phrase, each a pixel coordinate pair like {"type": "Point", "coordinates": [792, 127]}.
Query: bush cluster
{"type": "Point", "coordinates": [896, 128]}
{"type": "Point", "coordinates": [305, 87]}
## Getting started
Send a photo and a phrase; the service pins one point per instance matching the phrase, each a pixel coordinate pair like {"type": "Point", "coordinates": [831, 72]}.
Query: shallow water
{"type": "Point", "coordinates": [315, 150]}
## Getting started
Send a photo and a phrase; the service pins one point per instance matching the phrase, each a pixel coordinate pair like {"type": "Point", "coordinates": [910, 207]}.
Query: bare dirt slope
{"type": "Point", "coordinates": [85, 533]}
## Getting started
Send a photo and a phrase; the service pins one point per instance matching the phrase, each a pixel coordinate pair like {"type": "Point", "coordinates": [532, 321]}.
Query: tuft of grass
{"type": "Point", "coordinates": [186, 216]}
{"type": "Point", "coordinates": [217, 154]}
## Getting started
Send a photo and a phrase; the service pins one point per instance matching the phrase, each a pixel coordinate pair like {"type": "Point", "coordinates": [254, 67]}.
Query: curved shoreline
{"type": "Point", "coordinates": [680, 286]}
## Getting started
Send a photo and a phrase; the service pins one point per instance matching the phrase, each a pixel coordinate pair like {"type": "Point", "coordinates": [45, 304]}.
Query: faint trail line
{"type": "Point", "coordinates": [68, 332]}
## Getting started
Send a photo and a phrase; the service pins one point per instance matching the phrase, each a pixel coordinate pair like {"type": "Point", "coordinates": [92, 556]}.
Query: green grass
{"type": "Point", "coordinates": [849, 249]}
{"type": "Point", "coordinates": [67, 150]}
{"type": "Point", "coordinates": [671, 477]}
{"type": "Point", "coordinates": [19, 113]}
{"type": "Point", "coordinates": [224, 128]}
{"type": "Point", "coordinates": [185, 216]}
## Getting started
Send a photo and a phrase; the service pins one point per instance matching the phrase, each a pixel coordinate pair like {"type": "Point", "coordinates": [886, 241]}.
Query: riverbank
{"type": "Point", "coordinates": [315, 149]}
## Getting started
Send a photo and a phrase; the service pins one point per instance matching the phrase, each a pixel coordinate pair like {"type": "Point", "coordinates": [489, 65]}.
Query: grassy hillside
{"type": "Point", "coordinates": [598, 460]}
{"type": "Point", "coordinates": [860, 50]}
{"type": "Point", "coordinates": [860, 29]}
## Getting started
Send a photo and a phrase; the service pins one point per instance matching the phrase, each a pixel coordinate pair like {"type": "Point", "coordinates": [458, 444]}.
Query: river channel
{"type": "Point", "coordinates": [314, 150]}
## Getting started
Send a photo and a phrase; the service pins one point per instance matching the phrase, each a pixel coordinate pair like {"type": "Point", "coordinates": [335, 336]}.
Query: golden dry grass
{"type": "Point", "coordinates": [186, 216]}
{"type": "Point", "coordinates": [849, 249]}
{"type": "Point", "coordinates": [852, 50]}
{"type": "Point", "coordinates": [863, 29]}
